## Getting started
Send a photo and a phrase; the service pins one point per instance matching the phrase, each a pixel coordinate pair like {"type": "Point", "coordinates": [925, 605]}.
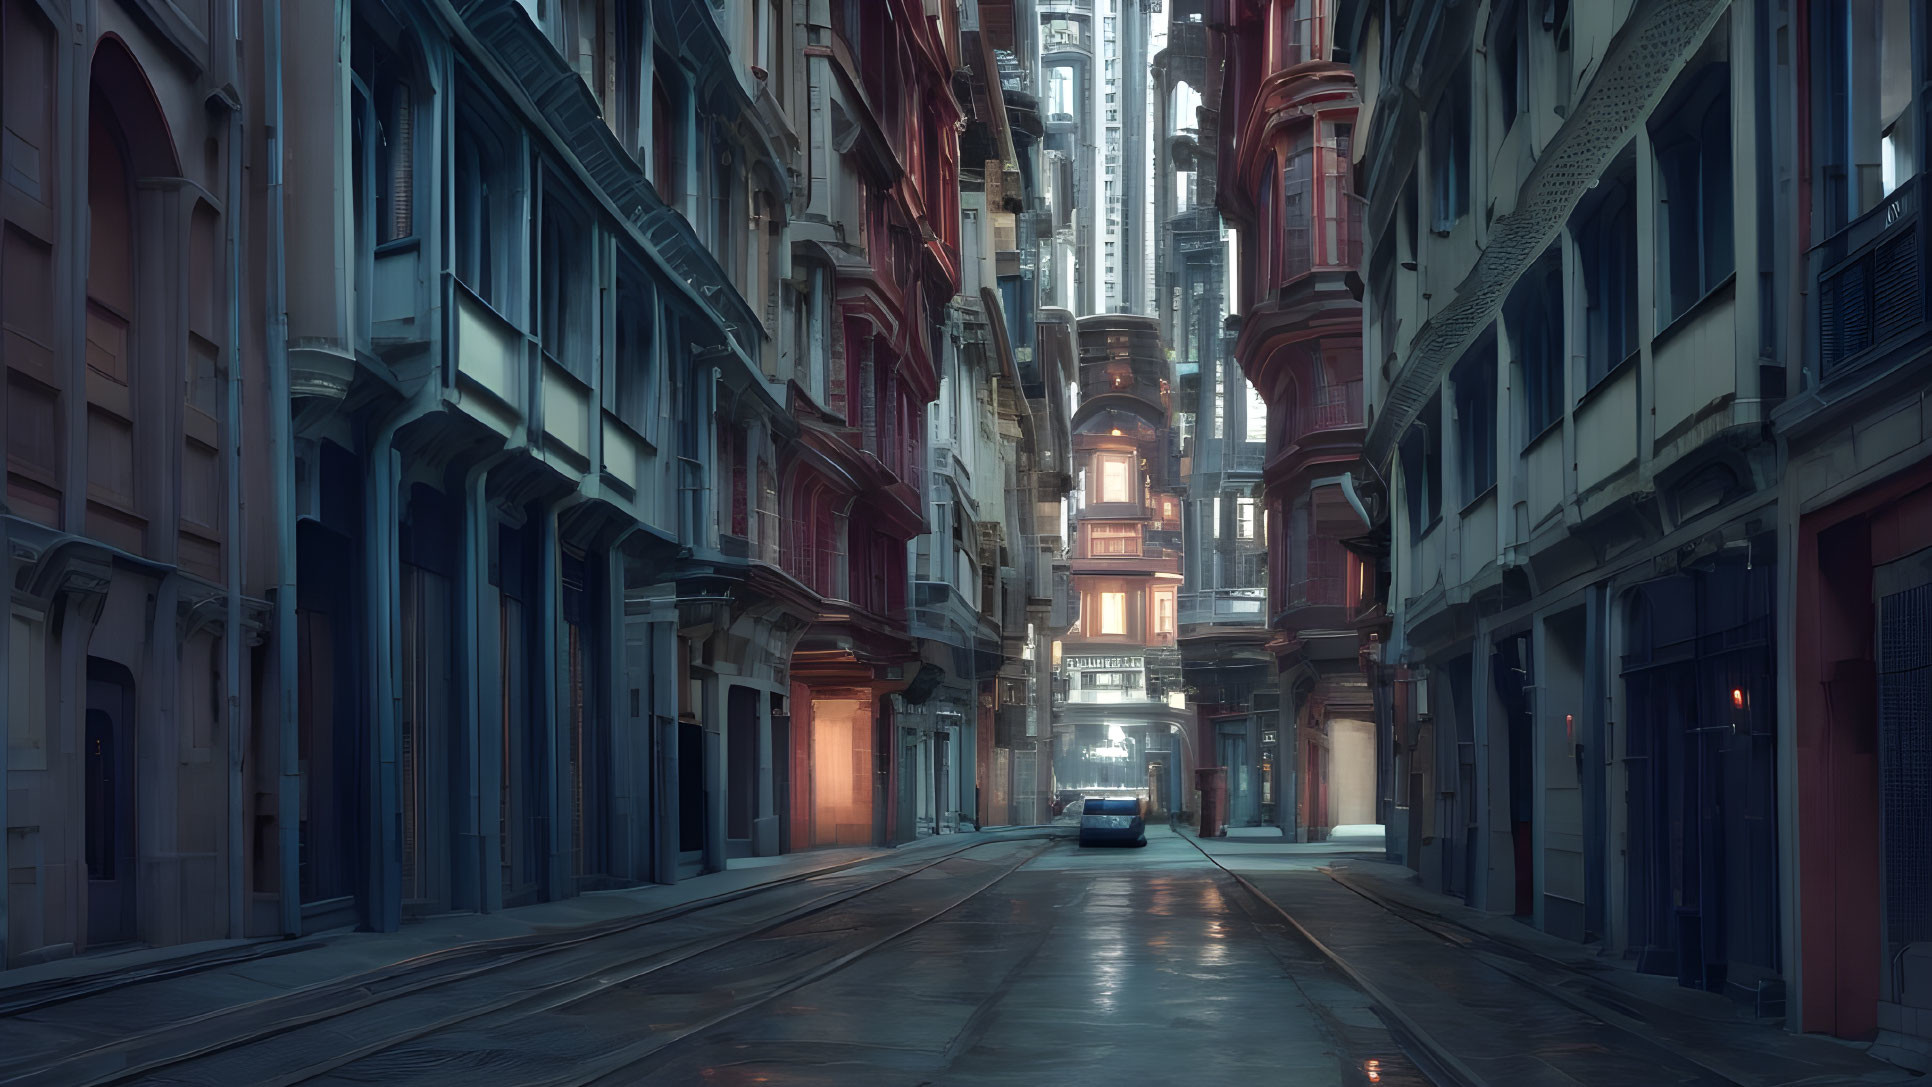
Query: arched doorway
{"type": "Point", "coordinates": [109, 767]}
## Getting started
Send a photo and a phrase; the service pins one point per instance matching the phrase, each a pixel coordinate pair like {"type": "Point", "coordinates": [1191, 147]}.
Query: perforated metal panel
{"type": "Point", "coordinates": [1905, 762]}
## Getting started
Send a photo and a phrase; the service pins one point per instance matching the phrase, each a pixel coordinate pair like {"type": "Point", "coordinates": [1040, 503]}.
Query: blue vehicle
{"type": "Point", "coordinates": [1116, 820]}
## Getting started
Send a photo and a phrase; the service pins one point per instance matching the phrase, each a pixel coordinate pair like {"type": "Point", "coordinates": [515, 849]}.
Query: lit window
{"type": "Point", "coordinates": [1244, 518]}
{"type": "Point", "coordinates": [1164, 613]}
{"type": "Point", "coordinates": [1116, 480]}
{"type": "Point", "coordinates": [1113, 613]}
{"type": "Point", "coordinates": [1108, 540]}
{"type": "Point", "coordinates": [1257, 414]}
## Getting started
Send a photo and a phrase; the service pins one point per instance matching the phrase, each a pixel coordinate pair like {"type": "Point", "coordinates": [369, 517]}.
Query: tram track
{"type": "Point", "coordinates": [520, 978]}
{"type": "Point", "coordinates": [1427, 1058]}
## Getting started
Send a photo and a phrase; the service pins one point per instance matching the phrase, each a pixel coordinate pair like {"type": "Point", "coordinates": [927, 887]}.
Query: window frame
{"type": "Point", "coordinates": [567, 296]}
{"type": "Point", "coordinates": [1605, 233]}
{"type": "Point", "coordinates": [1510, 68]}
{"type": "Point", "coordinates": [496, 223]}
{"type": "Point", "coordinates": [1449, 154]}
{"type": "Point", "coordinates": [1534, 319]}
{"type": "Point", "coordinates": [1695, 187]}
{"type": "Point", "coordinates": [1475, 382]}
{"type": "Point", "coordinates": [1421, 453]}
{"type": "Point", "coordinates": [620, 391]}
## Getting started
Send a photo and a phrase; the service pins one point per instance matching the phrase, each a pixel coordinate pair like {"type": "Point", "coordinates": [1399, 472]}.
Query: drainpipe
{"type": "Point", "coordinates": [478, 830]}
{"type": "Point", "coordinates": [384, 843]}
{"type": "Point", "coordinates": [231, 642]}
{"type": "Point", "coordinates": [282, 450]}
{"type": "Point", "coordinates": [615, 655]}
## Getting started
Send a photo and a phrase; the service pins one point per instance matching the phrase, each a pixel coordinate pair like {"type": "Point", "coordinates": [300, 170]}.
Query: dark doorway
{"type": "Point", "coordinates": [329, 655]}
{"type": "Point", "coordinates": [522, 827]}
{"type": "Point", "coordinates": [1702, 755]}
{"type": "Point", "coordinates": [781, 771]}
{"type": "Point", "coordinates": [1461, 825]}
{"type": "Point", "coordinates": [1515, 679]}
{"type": "Point", "coordinates": [109, 766]}
{"type": "Point", "coordinates": [426, 690]}
{"type": "Point", "coordinates": [587, 740]}
{"type": "Point", "coordinates": [691, 791]}
{"type": "Point", "coordinates": [741, 767]}
{"type": "Point", "coordinates": [1903, 591]}
{"type": "Point", "coordinates": [941, 782]}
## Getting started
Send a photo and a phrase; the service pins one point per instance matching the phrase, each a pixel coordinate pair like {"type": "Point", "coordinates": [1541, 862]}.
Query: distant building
{"type": "Point", "coordinates": [1288, 108]}
{"type": "Point", "coordinates": [1122, 704]}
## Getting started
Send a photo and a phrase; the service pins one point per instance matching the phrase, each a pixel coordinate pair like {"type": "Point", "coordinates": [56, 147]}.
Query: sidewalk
{"type": "Point", "coordinates": [1493, 1001]}
{"type": "Point", "coordinates": [344, 952]}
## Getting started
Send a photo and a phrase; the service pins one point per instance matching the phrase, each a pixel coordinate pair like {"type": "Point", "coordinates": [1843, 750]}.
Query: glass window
{"type": "Point", "coordinates": [1257, 414]}
{"type": "Point", "coordinates": [1116, 480]}
{"type": "Point", "coordinates": [1113, 613]}
{"type": "Point", "coordinates": [1449, 154]}
{"type": "Point", "coordinates": [1862, 95]}
{"type": "Point", "coordinates": [1475, 380]}
{"type": "Point", "coordinates": [1114, 539]}
{"type": "Point", "coordinates": [1422, 470]}
{"type": "Point", "coordinates": [1244, 518]}
{"type": "Point", "coordinates": [1693, 140]}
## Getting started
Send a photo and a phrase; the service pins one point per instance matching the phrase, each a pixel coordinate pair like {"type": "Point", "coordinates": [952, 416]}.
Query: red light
{"type": "Point", "coordinates": [1737, 698]}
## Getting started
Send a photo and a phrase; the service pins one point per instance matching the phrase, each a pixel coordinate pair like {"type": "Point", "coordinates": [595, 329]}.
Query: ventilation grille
{"type": "Point", "coordinates": [1905, 762]}
{"type": "Point", "coordinates": [1869, 301]}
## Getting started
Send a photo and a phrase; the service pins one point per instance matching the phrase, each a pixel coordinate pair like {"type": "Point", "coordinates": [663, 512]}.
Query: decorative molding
{"type": "Point", "coordinates": [1641, 64]}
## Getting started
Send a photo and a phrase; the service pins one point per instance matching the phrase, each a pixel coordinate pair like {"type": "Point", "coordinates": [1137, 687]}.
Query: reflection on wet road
{"type": "Point", "coordinates": [1083, 966]}
{"type": "Point", "coordinates": [1001, 958]}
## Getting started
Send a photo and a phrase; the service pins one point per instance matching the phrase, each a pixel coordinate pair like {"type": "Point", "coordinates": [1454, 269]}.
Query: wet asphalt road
{"type": "Point", "coordinates": [1094, 966]}
{"type": "Point", "coordinates": [1002, 958]}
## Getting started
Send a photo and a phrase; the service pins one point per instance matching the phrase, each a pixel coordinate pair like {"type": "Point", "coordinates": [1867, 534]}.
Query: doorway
{"type": "Point", "coordinates": [840, 767]}
{"type": "Point", "coordinates": [1515, 679]}
{"type": "Point", "coordinates": [1703, 783]}
{"type": "Point", "coordinates": [521, 824]}
{"type": "Point", "coordinates": [109, 766]}
{"type": "Point", "coordinates": [741, 769]}
{"type": "Point", "coordinates": [1903, 594]}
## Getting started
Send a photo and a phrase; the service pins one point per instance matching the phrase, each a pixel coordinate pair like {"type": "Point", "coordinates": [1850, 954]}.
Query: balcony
{"type": "Point", "coordinates": [1152, 559]}
{"type": "Point", "coordinates": [1871, 285]}
{"type": "Point", "coordinates": [1332, 407]}
{"type": "Point", "coordinates": [1224, 607]}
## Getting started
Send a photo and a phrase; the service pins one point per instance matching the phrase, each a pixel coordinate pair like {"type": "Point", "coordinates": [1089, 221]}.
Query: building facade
{"type": "Point", "coordinates": [577, 388]}
{"type": "Point", "coordinates": [1570, 375]}
{"type": "Point", "coordinates": [1857, 456]}
{"type": "Point", "coordinates": [1121, 706]}
{"type": "Point", "coordinates": [1220, 426]}
{"type": "Point", "coordinates": [136, 764]}
{"type": "Point", "coordinates": [1290, 105]}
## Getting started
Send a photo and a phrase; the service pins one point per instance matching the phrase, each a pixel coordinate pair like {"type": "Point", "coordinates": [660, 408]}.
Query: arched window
{"type": "Point", "coordinates": [112, 332]}
{"type": "Point", "coordinates": [148, 349]}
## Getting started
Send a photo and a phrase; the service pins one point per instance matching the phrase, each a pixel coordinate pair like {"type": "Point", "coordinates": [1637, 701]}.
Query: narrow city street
{"type": "Point", "coordinates": [982, 959]}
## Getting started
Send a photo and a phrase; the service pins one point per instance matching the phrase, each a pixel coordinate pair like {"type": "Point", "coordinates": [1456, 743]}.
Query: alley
{"type": "Point", "coordinates": [976, 959]}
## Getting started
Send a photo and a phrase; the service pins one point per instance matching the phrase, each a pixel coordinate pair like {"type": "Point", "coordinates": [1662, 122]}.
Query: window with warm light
{"type": "Point", "coordinates": [1113, 613]}
{"type": "Point", "coordinates": [1164, 613]}
{"type": "Point", "coordinates": [1116, 479]}
{"type": "Point", "coordinates": [1113, 540]}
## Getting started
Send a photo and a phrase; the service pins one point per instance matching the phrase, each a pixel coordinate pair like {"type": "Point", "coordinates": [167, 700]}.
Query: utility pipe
{"type": "Point", "coordinates": [234, 541]}
{"type": "Point", "coordinates": [282, 452]}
